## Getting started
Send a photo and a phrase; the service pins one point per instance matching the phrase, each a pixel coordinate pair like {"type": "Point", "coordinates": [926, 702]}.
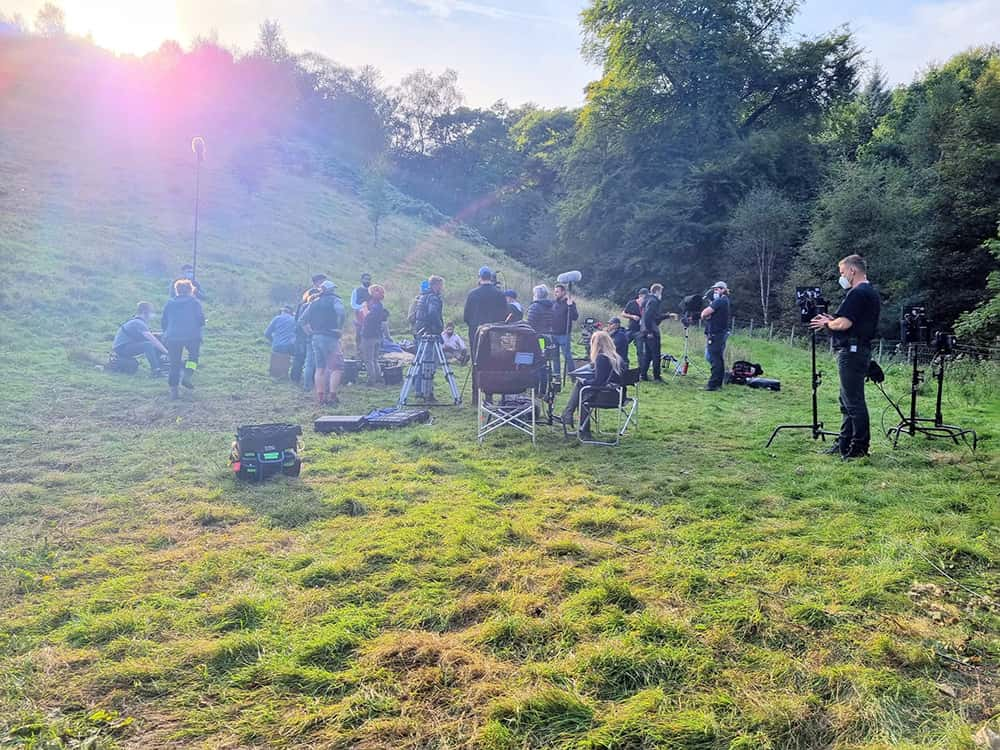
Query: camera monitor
{"type": "Point", "coordinates": [810, 301]}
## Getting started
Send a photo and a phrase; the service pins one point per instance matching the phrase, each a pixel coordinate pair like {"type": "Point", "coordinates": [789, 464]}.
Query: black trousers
{"type": "Point", "coordinates": [855, 430]}
{"type": "Point", "coordinates": [175, 351]}
{"type": "Point", "coordinates": [716, 350]}
{"type": "Point", "coordinates": [649, 353]}
{"type": "Point", "coordinates": [299, 357]}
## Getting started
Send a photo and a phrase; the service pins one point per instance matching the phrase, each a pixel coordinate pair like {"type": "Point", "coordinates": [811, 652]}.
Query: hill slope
{"type": "Point", "coordinates": [411, 590]}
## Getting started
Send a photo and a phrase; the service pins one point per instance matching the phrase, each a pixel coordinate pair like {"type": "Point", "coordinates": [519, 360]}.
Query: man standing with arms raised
{"type": "Point", "coordinates": [716, 317]}
{"type": "Point", "coordinates": [563, 314]}
{"type": "Point", "coordinates": [853, 327]}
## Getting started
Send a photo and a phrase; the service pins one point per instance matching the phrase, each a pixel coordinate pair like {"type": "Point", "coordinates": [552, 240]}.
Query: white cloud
{"type": "Point", "coordinates": [447, 8]}
{"type": "Point", "coordinates": [931, 33]}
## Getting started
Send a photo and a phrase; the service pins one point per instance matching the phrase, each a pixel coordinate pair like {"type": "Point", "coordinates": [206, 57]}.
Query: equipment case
{"type": "Point", "coordinates": [340, 423]}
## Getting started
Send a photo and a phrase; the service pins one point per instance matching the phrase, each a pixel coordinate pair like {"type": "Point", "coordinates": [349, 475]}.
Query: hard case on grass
{"type": "Point", "coordinates": [399, 418]}
{"type": "Point", "coordinates": [351, 369]}
{"type": "Point", "coordinates": [265, 450]}
{"type": "Point", "coordinates": [392, 374]}
{"type": "Point", "coordinates": [340, 423]}
{"type": "Point", "coordinates": [766, 383]}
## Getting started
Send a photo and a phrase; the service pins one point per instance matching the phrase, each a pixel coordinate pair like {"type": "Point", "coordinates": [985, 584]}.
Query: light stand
{"type": "Point", "coordinates": [198, 147]}
{"type": "Point", "coordinates": [931, 428]}
{"type": "Point", "coordinates": [818, 433]}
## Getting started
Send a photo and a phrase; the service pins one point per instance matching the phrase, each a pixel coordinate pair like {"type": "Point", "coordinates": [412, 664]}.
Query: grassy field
{"type": "Point", "coordinates": [689, 589]}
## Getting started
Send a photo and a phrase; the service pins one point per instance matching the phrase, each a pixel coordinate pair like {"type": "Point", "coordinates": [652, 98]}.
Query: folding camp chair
{"type": "Point", "coordinates": [596, 399]}
{"type": "Point", "coordinates": [508, 363]}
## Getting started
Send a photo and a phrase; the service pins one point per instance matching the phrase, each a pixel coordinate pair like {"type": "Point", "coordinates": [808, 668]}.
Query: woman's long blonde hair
{"type": "Point", "coordinates": [601, 343]}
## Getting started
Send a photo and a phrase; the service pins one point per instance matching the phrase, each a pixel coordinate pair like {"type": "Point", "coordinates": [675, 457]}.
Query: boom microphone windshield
{"type": "Point", "coordinates": [198, 146]}
{"type": "Point", "coordinates": [570, 277]}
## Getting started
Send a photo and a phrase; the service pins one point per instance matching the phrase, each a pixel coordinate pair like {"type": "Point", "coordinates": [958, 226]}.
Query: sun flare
{"type": "Point", "coordinates": [125, 26]}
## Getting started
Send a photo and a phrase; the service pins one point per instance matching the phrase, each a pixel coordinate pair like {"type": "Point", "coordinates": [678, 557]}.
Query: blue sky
{"type": "Point", "coordinates": [518, 50]}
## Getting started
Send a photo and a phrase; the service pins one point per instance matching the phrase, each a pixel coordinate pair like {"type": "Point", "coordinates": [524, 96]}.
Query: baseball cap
{"type": "Point", "coordinates": [644, 290]}
{"type": "Point", "coordinates": [318, 278]}
{"type": "Point", "coordinates": [486, 272]}
{"type": "Point", "coordinates": [615, 321]}
{"type": "Point", "coordinates": [425, 286]}
{"type": "Point", "coordinates": [720, 285]}
{"type": "Point", "coordinates": [327, 285]}
{"type": "Point", "coordinates": [510, 293]}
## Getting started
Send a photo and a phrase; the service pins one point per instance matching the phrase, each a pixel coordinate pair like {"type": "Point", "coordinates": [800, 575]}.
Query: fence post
{"type": "Point", "coordinates": [791, 337]}
{"type": "Point", "coordinates": [751, 328]}
{"type": "Point", "coordinates": [770, 335]}
{"type": "Point", "coordinates": [880, 343]}
{"type": "Point", "coordinates": [831, 345]}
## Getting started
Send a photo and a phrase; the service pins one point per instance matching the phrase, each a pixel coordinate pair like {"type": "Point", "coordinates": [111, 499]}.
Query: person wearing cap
{"type": "Point", "coordinates": [358, 298]}
{"type": "Point", "coordinates": [324, 321]}
{"type": "Point", "coordinates": [187, 272]}
{"type": "Point", "coordinates": [303, 363]}
{"type": "Point", "coordinates": [413, 314]}
{"type": "Point", "coordinates": [620, 339]}
{"type": "Point", "coordinates": [134, 338]}
{"type": "Point", "coordinates": [281, 332]}
{"type": "Point", "coordinates": [515, 312]}
{"type": "Point", "coordinates": [484, 304]}
{"type": "Point", "coordinates": [633, 313]}
{"type": "Point", "coordinates": [716, 317]}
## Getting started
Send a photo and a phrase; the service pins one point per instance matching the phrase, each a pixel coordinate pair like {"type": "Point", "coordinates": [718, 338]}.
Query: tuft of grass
{"type": "Point", "coordinates": [619, 669]}
{"type": "Point", "coordinates": [242, 613]}
{"type": "Point", "coordinates": [330, 648]}
{"type": "Point", "coordinates": [520, 637]}
{"type": "Point", "coordinates": [234, 652]}
{"type": "Point", "coordinates": [548, 717]}
{"type": "Point", "coordinates": [327, 574]}
{"type": "Point", "coordinates": [609, 591]}
{"type": "Point", "coordinates": [100, 629]}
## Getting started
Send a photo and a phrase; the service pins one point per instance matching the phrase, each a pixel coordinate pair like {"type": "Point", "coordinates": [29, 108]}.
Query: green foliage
{"type": "Point", "coordinates": [983, 323]}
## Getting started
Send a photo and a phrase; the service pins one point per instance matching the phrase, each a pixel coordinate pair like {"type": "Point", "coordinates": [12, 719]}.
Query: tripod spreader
{"type": "Point", "coordinates": [818, 433]}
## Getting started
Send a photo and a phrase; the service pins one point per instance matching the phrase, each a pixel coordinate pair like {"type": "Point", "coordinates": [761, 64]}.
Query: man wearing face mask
{"type": "Point", "coordinates": [716, 317]}
{"type": "Point", "coordinates": [853, 327]}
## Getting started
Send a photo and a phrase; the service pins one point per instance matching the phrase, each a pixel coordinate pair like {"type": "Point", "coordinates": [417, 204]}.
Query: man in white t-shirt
{"type": "Point", "coordinates": [453, 344]}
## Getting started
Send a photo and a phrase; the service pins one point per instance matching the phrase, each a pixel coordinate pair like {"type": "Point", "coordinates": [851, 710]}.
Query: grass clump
{"type": "Point", "coordinates": [618, 670]}
{"type": "Point", "coordinates": [235, 651]}
{"type": "Point", "coordinates": [609, 591]}
{"type": "Point", "coordinates": [646, 721]}
{"type": "Point", "coordinates": [544, 718]}
{"type": "Point", "coordinates": [326, 574]}
{"type": "Point", "coordinates": [330, 648]}
{"type": "Point", "coordinates": [242, 613]}
{"type": "Point", "coordinates": [522, 637]}
{"type": "Point", "coordinates": [97, 630]}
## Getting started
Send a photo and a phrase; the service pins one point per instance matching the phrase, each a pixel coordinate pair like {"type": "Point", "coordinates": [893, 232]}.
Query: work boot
{"type": "Point", "coordinates": [174, 393]}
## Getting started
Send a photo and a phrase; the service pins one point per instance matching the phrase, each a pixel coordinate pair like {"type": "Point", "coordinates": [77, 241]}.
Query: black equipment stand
{"type": "Point", "coordinates": [430, 353]}
{"type": "Point", "coordinates": [931, 428]}
{"type": "Point", "coordinates": [818, 433]}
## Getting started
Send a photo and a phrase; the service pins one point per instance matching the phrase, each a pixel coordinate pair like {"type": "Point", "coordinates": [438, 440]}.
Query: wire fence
{"type": "Point", "coordinates": [884, 350]}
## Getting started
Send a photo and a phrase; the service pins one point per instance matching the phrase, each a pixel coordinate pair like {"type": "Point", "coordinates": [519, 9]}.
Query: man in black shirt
{"type": "Point", "coordinates": [649, 330]}
{"type": "Point", "coordinates": [853, 327]}
{"type": "Point", "coordinates": [633, 314]}
{"type": "Point", "coordinates": [716, 317]}
{"type": "Point", "coordinates": [484, 304]}
{"type": "Point", "coordinates": [187, 272]}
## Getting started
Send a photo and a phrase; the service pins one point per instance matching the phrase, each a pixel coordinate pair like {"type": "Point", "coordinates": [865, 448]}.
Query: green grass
{"type": "Point", "coordinates": [690, 589]}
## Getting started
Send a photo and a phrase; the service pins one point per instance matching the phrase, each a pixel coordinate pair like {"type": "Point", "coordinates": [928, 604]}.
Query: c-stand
{"type": "Point", "coordinates": [818, 433]}
{"type": "Point", "coordinates": [932, 428]}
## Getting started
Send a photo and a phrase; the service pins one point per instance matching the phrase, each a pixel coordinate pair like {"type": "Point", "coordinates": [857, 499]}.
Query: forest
{"type": "Point", "coordinates": [715, 145]}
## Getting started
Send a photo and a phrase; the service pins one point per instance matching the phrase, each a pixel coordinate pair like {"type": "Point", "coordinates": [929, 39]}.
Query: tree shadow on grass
{"type": "Point", "coordinates": [286, 502]}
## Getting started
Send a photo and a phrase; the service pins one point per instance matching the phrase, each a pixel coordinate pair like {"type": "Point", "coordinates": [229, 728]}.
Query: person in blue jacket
{"type": "Point", "coordinates": [182, 321]}
{"type": "Point", "coordinates": [281, 332]}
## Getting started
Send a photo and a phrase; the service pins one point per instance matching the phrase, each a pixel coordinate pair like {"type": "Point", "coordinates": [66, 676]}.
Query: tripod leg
{"type": "Point", "coordinates": [411, 375]}
{"type": "Point", "coordinates": [449, 374]}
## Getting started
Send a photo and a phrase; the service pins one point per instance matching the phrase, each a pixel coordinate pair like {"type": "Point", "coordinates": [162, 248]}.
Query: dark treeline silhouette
{"type": "Point", "coordinates": [715, 145]}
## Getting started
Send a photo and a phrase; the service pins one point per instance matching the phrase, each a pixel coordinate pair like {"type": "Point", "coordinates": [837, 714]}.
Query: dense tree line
{"type": "Point", "coordinates": [714, 145]}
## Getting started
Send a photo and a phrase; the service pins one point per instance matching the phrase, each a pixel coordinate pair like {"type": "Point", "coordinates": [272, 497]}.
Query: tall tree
{"type": "Point", "coordinates": [421, 99]}
{"type": "Point", "coordinates": [271, 43]}
{"type": "Point", "coordinates": [50, 20]}
{"type": "Point", "coordinates": [763, 231]}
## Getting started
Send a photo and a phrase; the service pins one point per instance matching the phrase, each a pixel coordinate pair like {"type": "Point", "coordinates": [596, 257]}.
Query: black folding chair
{"type": "Point", "coordinates": [508, 363]}
{"type": "Point", "coordinates": [595, 399]}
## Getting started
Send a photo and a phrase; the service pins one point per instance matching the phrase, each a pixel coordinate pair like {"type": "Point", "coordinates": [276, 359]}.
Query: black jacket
{"type": "Point", "coordinates": [651, 315]}
{"type": "Point", "coordinates": [485, 304]}
{"type": "Point", "coordinates": [621, 339]}
{"type": "Point", "coordinates": [325, 315]}
{"type": "Point", "coordinates": [563, 316]}
{"type": "Point", "coordinates": [182, 319]}
{"type": "Point", "coordinates": [431, 321]}
{"type": "Point", "coordinates": [540, 316]}
{"type": "Point", "coordinates": [197, 288]}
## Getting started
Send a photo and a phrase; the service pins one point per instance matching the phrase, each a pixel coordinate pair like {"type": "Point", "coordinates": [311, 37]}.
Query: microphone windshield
{"type": "Point", "coordinates": [198, 146]}
{"type": "Point", "coordinates": [570, 277]}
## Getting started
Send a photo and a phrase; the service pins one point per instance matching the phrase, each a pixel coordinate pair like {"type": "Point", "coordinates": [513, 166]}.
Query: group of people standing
{"type": "Point", "coordinates": [181, 321]}
{"type": "Point", "coordinates": [644, 315]}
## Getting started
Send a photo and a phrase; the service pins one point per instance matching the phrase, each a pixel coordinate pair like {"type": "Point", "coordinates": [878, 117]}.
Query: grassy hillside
{"type": "Point", "coordinates": [688, 590]}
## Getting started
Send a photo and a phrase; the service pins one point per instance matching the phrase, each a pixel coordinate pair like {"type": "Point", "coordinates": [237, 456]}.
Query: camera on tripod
{"type": "Point", "coordinates": [691, 307]}
{"type": "Point", "coordinates": [944, 342]}
{"type": "Point", "coordinates": [915, 326]}
{"type": "Point", "coordinates": [811, 303]}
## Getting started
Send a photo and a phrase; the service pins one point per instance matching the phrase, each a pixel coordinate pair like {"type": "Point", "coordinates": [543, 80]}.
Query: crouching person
{"type": "Point", "coordinates": [182, 322]}
{"type": "Point", "coordinates": [134, 338]}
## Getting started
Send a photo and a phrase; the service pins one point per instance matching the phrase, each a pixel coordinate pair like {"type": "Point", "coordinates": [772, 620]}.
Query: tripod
{"type": "Point", "coordinates": [932, 428]}
{"type": "Point", "coordinates": [430, 353]}
{"type": "Point", "coordinates": [682, 364]}
{"type": "Point", "coordinates": [818, 433]}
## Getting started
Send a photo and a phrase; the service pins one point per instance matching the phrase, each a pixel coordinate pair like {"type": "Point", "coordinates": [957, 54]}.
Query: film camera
{"type": "Point", "coordinates": [691, 307]}
{"type": "Point", "coordinates": [914, 326]}
{"type": "Point", "coordinates": [811, 303]}
{"type": "Point", "coordinates": [590, 325]}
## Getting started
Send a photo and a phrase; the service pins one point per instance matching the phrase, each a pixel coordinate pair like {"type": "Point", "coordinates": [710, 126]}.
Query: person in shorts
{"type": "Point", "coordinates": [324, 322]}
